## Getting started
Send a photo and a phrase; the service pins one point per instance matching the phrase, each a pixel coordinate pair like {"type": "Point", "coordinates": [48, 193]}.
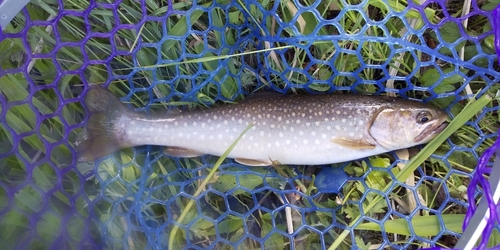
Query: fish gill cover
{"type": "Point", "coordinates": [163, 55]}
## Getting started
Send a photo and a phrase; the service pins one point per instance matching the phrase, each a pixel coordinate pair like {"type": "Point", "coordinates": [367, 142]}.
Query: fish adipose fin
{"type": "Point", "coordinates": [354, 144]}
{"type": "Point", "coordinates": [252, 163]}
{"type": "Point", "coordinates": [181, 152]}
{"type": "Point", "coordinates": [102, 135]}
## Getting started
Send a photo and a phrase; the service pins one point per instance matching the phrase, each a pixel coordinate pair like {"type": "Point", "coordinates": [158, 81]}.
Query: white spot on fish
{"type": "Point", "coordinates": [268, 115]}
{"type": "Point", "coordinates": [305, 142]}
{"type": "Point", "coordinates": [273, 126]}
{"type": "Point", "coordinates": [337, 127]}
{"type": "Point", "coordinates": [350, 116]}
{"type": "Point", "coordinates": [328, 128]}
{"type": "Point", "coordinates": [279, 118]}
{"type": "Point", "coordinates": [203, 125]}
{"type": "Point", "coordinates": [281, 135]}
{"type": "Point", "coordinates": [316, 141]}
{"type": "Point", "coordinates": [320, 113]}
{"type": "Point", "coordinates": [260, 116]}
{"type": "Point", "coordinates": [308, 124]}
{"type": "Point", "coordinates": [226, 130]}
{"type": "Point", "coordinates": [358, 111]}
{"type": "Point", "coordinates": [235, 130]}
{"type": "Point", "coordinates": [277, 144]}
{"type": "Point", "coordinates": [202, 137]}
{"type": "Point", "coordinates": [313, 133]}
{"type": "Point", "coordinates": [317, 123]}
{"type": "Point", "coordinates": [225, 122]}
{"type": "Point", "coordinates": [301, 133]}
{"type": "Point", "coordinates": [248, 115]}
{"type": "Point", "coordinates": [211, 137]}
{"type": "Point", "coordinates": [233, 119]}
{"type": "Point", "coordinates": [293, 114]}
{"type": "Point", "coordinates": [323, 136]}
{"type": "Point", "coordinates": [303, 115]}
{"type": "Point", "coordinates": [219, 136]}
{"type": "Point", "coordinates": [288, 141]}
{"type": "Point", "coordinates": [344, 120]}
{"type": "Point", "coordinates": [351, 124]}
{"type": "Point", "coordinates": [345, 112]}
{"type": "Point", "coordinates": [160, 130]}
{"type": "Point", "coordinates": [268, 145]}
{"type": "Point", "coordinates": [194, 123]}
{"type": "Point", "coordinates": [269, 134]}
{"type": "Point", "coordinates": [185, 124]}
{"type": "Point", "coordinates": [251, 138]}
{"type": "Point", "coordinates": [264, 123]}
{"type": "Point", "coordinates": [262, 133]}
{"type": "Point", "coordinates": [240, 121]}
{"type": "Point", "coordinates": [298, 121]}
{"type": "Point", "coordinates": [176, 123]}
{"type": "Point", "coordinates": [291, 129]}
{"type": "Point", "coordinates": [351, 134]}
{"type": "Point", "coordinates": [361, 123]}
{"type": "Point", "coordinates": [338, 112]}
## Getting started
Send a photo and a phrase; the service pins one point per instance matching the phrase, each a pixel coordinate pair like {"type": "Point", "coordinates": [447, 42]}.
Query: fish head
{"type": "Point", "coordinates": [407, 125]}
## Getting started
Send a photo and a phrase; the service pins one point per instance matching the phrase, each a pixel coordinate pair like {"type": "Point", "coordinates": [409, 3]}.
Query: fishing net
{"type": "Point", "coordinates": [161, 55]}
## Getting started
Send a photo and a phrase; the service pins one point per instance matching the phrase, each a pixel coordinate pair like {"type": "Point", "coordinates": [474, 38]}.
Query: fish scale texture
{"type": "Point", "coordinates": [133, 199]}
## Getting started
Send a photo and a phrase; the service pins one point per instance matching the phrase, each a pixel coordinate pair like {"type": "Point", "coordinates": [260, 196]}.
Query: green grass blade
{"type": "Point", "coordinates": [423, 226]}
{"type": "Point", "coordinates": [202, 187]}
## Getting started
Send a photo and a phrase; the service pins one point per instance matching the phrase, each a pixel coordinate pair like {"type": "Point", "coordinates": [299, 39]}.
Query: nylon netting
{"type": "Point", "coordinates": [52, 51]}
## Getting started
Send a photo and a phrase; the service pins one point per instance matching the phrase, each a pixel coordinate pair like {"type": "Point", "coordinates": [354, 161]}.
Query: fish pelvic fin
{"type": "Point", "coordinates": [104, 133]}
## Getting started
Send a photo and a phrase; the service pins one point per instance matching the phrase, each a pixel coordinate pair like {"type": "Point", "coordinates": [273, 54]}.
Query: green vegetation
{"type": "Point", "coordinates": [208, 197]}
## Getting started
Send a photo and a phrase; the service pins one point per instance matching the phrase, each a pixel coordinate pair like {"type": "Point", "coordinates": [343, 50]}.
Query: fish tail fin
{"type": "Point", "coordinates": [104, 133]}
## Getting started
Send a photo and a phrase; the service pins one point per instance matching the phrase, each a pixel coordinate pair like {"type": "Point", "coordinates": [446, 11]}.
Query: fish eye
{"type": "Point", "coordinates": [423, 117]}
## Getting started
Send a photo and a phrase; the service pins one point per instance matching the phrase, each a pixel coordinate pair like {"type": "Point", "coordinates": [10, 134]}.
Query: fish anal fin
{"type": "Point", "coordinates": [354, 144]}
{"type": "Point", "coordinates": [252, 163]}
{"type": "Point", "coordinates": [181, 152]}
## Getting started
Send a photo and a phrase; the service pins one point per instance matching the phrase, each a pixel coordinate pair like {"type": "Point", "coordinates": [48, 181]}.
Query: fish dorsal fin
{"type": "Point", "coordinates": [354, 144]}
{"type": "Point", "coordinates": [252, 163]}
{"type": "Point", "coordinates": [181, 152]}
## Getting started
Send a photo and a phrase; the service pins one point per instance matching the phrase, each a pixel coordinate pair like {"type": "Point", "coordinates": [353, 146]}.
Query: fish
{"type": "Point", "coordinates": [286, 129]}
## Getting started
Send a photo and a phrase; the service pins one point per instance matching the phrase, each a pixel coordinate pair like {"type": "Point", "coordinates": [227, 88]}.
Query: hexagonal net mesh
{"type": "Point", "coordinates": [159, 55]}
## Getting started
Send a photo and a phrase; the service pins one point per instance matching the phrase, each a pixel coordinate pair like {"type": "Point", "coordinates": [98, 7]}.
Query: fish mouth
{"type": "Point", "coordinates": [432, 131]}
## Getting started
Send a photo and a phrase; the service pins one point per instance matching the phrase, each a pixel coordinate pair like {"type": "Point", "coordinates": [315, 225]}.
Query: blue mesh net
{"type": "Point", "coordinates": [160, 54]}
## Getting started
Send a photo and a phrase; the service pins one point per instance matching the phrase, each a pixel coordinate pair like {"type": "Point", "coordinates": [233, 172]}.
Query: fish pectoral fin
{"type": "Point", "coordinates": [252, 163]}
{"type": "Point", "coordinates": [181, 152]}
{"type": "Point", "coordinates": [354, 144]}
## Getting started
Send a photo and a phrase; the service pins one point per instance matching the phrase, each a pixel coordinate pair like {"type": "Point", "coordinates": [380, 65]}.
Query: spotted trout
{"type": "Point", "coordinates": [288, 129]}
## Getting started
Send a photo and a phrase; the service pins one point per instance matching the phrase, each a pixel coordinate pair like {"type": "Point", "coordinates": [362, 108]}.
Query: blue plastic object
{"type": "Point", "coordinates": [133, 199]}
